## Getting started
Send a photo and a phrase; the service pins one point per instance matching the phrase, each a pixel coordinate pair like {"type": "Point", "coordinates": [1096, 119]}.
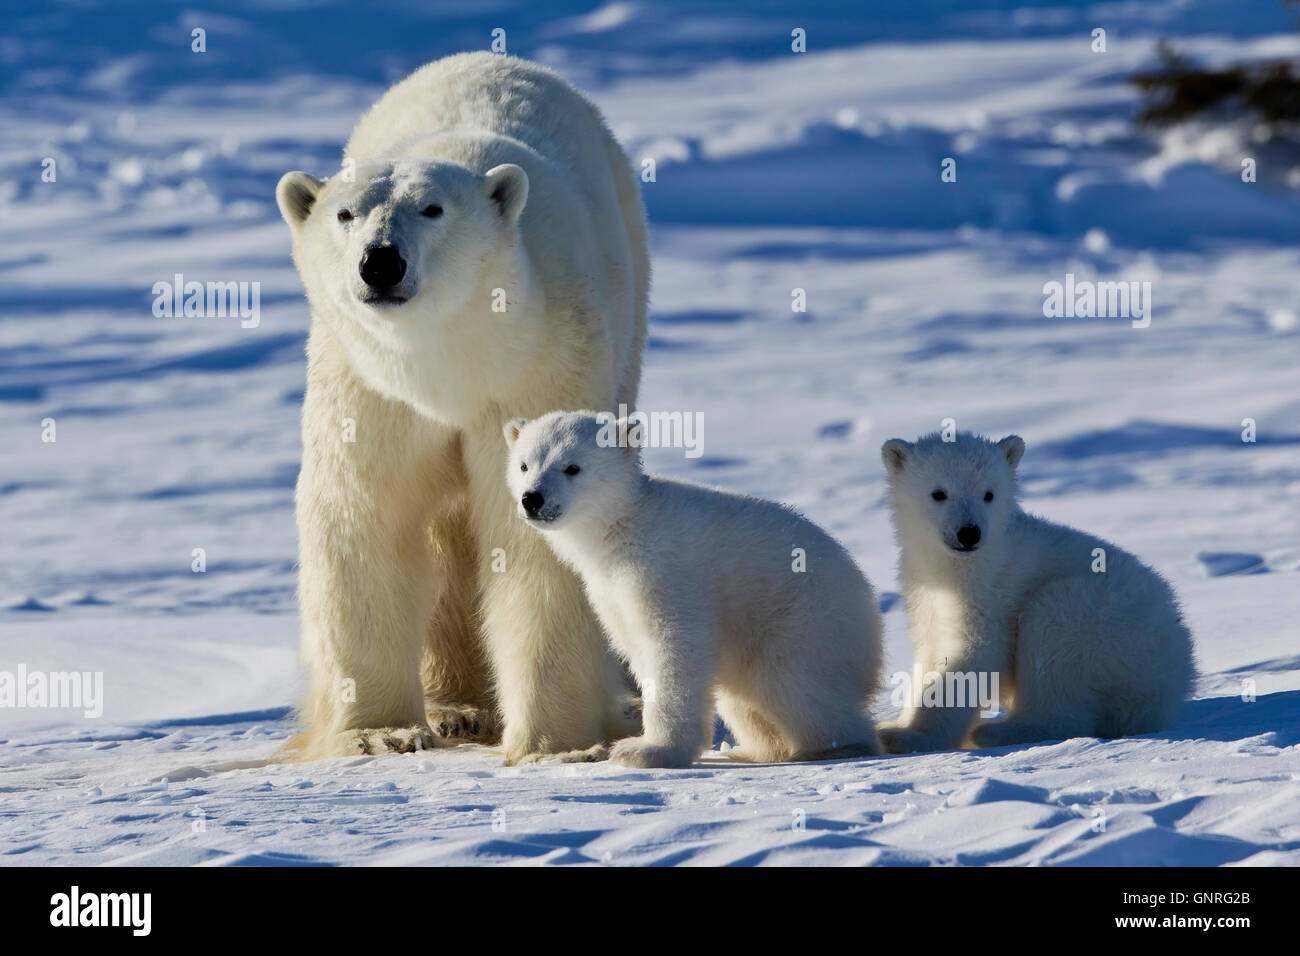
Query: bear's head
{"type": "Point", "coordinates": [953, 497]}
{"type": "Point", "coordinates": [391, 251]}
{"type": "Point", "coordinates": [572, 470]}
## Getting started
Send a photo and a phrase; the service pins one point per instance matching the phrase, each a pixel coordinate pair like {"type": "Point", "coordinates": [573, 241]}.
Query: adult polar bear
{"type": "Point", "coordinates": [487, 260]}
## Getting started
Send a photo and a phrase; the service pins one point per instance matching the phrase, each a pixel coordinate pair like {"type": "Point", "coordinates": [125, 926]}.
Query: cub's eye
{"type": "Point", "coordinates": [432, 211]}
{"type": "Point", "coordinates": [988, 496]}
{"type": "Point", "coordinates": [523, 466]}
{"type": "Point", "coordinates": [345, 215]}
{"type": "Point", "coordinates": [572, 470]}
{"type": "Point", "coordinates": [939, 494]}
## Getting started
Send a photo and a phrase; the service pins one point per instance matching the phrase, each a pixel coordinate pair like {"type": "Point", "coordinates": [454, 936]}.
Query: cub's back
{"type": "Point", "coordinates": [747, 542]}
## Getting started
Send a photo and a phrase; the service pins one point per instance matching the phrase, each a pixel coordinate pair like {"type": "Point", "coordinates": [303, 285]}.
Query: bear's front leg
{"type": "Point", "coordinates": [558, 686]}
{"type": "Point", "coordinates": [674, 664]}
{"type": "Point", "coordinates": [459, 702]}
{"type": "Point", "coordinates": [364, 599]}
{"type": "Point", "coordinates": [946, 705]}
{"type": "Point", "coordinates": [372, 476]}
{"type": "Point", "coordinates": [553, 671]}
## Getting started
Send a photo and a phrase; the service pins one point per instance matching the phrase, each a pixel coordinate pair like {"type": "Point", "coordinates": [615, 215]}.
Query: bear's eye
{"type": "Point", "coordinates": [345, 215]}
{"type": "Point", "coordinates": [988, 496]}
{"type": "Point", "coordinates": [432, 211]}
{"type": "Point", "coordinates": [523, 466]}
{"type": "Point", "coordinates": [572, 470]}
{"type": "Point", "coordinates": [939, 494]}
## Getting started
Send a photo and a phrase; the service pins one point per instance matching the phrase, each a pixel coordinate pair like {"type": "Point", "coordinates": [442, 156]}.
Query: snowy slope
{"type": "Point", "coordinates": [775, 171]}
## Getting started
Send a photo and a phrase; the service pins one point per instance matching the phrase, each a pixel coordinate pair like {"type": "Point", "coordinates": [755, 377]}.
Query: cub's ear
{"type": "Point", "coordinates": [894, 453]}
{"type": "Point", "coordinates": [507, 186]}
{"type": "Point", "coordinates": [1013, 446]}
{"type": "Point", "coordinates": [295, 195]}
{"type": "Point", "coordinates": [512, 428]}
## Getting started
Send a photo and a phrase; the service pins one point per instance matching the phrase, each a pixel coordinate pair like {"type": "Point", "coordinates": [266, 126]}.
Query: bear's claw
{"type": "Point", "coordinates": [380, 740]}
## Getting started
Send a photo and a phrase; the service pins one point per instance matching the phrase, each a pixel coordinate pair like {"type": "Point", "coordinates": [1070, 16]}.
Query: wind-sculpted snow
{"type": "Point", "coordinates": [1219, 789]}
{"type": "Point", "coordinates": [774, 172]}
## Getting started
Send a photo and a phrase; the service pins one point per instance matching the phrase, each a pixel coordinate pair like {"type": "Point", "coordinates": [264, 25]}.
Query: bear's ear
{"type": "Point", "coordinates": [894, 453]}
{"type": "Point", "coordinates": [512, 428]}
{"type": "Point", "coordinates": [296, 194]}
{"type": "Point", "coordinates": [1013, 446]}
{"type": "Point", "coordinates": [507, 186]}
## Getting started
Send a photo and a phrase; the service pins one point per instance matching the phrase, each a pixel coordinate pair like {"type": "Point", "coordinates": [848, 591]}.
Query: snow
{"type": "Point", "coordinates": [775, 172]}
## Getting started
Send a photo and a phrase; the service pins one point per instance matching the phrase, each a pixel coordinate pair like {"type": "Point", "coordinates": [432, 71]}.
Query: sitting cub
{"type": "Point", "coordinates": [705, 594]}
{"type": "Point", "coordinates": [1086, 640]}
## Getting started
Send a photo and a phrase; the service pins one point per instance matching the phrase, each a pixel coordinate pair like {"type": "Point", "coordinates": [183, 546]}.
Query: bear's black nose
{"type": "Point", "coordinates": [532, 503]}
{"type": "Point", "coordinates": [968, 536]}
{"type": "Point", "coordinates": [382, 267]}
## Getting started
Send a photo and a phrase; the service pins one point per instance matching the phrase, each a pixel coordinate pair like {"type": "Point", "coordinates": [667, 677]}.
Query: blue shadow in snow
{"type": "Point", "coordinates": [1150, 438]}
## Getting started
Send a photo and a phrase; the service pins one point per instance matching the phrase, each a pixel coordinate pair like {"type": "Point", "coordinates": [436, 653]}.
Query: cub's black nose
{"type": "Point", "coordinates": [382, 267]}
{"type": "Point", "coordinates": [968, 536]}
{"type": "Point", "coordinates": [532, 503]}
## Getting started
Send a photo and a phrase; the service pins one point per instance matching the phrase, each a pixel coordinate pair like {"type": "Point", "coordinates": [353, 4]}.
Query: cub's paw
{"type": "Point", "coordinates": [905, 740]}
{"type": "Point", "coordinates": [463, 723]}
{"type": "Point", "coordinates": [590, 755]}
{"type": "Point", "coordinates": [383, 740]}
{"type": "Point", "coordinates": [638, 752]}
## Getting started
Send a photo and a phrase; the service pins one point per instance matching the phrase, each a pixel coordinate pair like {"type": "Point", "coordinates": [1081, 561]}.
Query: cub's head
{"type": "Point", "coordinates": [401, 243]}
{"type": "Point", "coordinates": [954, 496]}
{"type": "Point", "coordinates": [569, 469]}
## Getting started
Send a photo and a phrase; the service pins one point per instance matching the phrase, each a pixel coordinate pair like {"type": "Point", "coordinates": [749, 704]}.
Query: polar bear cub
{"type": "Point", "coordinates": [1084, 638]}
{"type": "Point", "coordinates": [710, 597]}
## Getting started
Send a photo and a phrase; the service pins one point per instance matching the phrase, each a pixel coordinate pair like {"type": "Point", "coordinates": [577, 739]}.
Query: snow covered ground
{"type": "Point", "coordinates": [775, 171]}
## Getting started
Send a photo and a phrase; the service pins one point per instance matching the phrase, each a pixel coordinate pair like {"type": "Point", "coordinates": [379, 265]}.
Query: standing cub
{"type": "Point", "coordinates": [1086, 640]}
{"type": "Point", "coordinates": [704, 592]}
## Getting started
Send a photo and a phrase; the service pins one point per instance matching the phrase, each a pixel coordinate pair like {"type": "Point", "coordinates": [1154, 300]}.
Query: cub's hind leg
{"type": "Point", "coordinates": [756, 737]}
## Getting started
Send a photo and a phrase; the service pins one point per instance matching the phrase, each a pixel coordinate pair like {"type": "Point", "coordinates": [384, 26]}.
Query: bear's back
{"type": "Point", "coordinates": [484, 94]}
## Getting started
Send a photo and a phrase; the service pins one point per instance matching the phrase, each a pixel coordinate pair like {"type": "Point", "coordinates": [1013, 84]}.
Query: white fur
{"type": "Point", "coordinates": [404, 603]}
{"type": "Point", "coordinates": [698, 592]}
{"type": "Point", "coordinates": [1077, 652]}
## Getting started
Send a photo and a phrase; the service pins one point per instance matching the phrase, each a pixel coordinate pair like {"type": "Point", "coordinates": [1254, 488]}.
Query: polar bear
{"type": "Point", "coordinates": [1084, 638]}
{"type": "Point", "coordinates": [481, 255]}
{"type": "Point", "coordinates": [705, 592]}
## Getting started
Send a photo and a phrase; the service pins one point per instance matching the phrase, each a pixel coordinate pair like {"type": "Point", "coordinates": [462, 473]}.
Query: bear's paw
{"type": "Point", "coordinates": [382, 740]}
{"type": "Point", "coordinates": [640, 753]}
{"type": "Point", "coordinates": [463, 723]}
